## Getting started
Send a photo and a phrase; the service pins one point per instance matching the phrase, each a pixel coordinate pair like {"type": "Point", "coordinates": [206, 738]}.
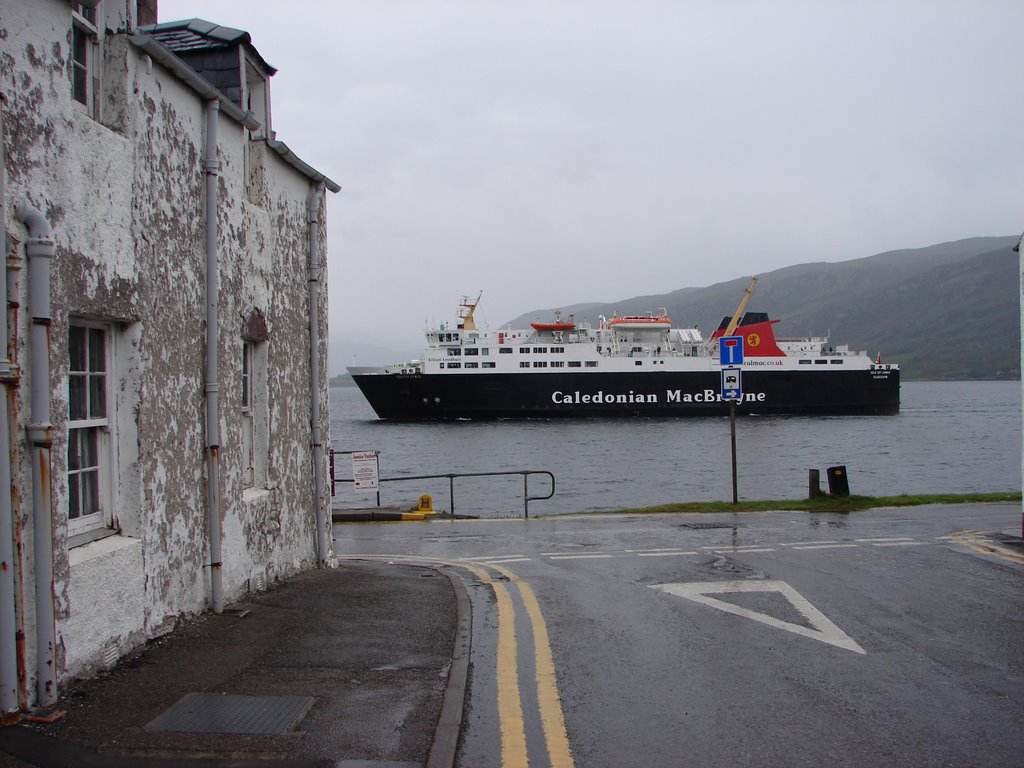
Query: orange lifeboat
{"type": "Point", "coordinates": [553, 326]}
{"type": "Point", "coordinates": [557, 325]}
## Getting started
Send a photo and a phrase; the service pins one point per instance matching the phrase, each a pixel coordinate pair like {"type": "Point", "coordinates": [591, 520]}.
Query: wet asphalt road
{"type": "Point", "coordinates": [887, 637]}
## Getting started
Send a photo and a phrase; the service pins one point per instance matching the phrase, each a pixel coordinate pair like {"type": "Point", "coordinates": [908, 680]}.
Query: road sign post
{"type": "Point", "coordinates": [730, 357]}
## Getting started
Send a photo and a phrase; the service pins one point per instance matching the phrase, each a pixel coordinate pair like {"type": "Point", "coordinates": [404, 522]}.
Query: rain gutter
{"type": "Point", "coordinates": [304, 168]}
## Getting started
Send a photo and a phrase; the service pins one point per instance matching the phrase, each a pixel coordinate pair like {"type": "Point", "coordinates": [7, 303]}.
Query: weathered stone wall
{"type": "Point", "coordinates": [125, 195]}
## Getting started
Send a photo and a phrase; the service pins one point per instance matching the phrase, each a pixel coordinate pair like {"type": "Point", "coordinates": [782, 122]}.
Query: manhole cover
{"type": "Point", "coordinates": [217, 713]}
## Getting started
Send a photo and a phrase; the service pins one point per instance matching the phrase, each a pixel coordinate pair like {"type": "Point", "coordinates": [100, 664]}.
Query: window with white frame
{"type": "Point", "coordinates": [254, 413]}
{"type": "Point", "coordinates": [85, 55]}
{"type": "Point", "coordinates": [89, 420]}
{"type": "Point", "coordinates": [248, 414]}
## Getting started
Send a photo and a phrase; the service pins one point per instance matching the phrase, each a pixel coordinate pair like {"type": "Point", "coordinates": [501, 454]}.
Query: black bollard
{"type": "Point", "coordinates": [838, 482]}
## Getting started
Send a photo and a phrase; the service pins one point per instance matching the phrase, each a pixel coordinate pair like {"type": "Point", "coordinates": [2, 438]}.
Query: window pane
{"type": "Point", "coordinates": [89, 447]}
{"type": "Point", "coordinates": [97, 350]}
{"type": "Point", "coordinates": [246, 373]}
{"type": "Point", "coordinates": [90, 493]}
{"type": "Point", "coordinates": [80, 72]}
{"type": "Point", "coordinates": [76, 348]}
{"type": "Point", "coordinates": [74, 462]}
{"type": "Point", "coordinates": [77, 402]}
{"type": "Point", "coordinates": [80, 44]}
{"type": "Point", "coordinates": [74, 503]}
{"type": "Point", "coordinates": [97, 396]}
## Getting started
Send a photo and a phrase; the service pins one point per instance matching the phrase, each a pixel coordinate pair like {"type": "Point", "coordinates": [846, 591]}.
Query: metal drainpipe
{"type": "Point", "coordinates": [9, 705]}
{"type": "Point", "coordinates": [39, 248]}
{"type": "Point", "coordinates": [211, 167]}
{"type": "Point", "coordinates": [314, 202]}
{"type": "Point", "coordinates": [13, 409]}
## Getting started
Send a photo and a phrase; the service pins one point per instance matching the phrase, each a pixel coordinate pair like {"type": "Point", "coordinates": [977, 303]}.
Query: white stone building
{"type": "Point", "coordinates": [164, 371]}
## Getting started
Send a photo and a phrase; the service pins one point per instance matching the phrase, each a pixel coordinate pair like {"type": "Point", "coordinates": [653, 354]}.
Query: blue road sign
{"type": "Point", "coordinates": [730, 350]}
{"type": "Point", "coordinates": [732, 384]}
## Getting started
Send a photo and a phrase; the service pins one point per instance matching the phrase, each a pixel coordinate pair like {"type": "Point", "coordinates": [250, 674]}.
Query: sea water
{"type": "Point", "coordinates": [949, 437]}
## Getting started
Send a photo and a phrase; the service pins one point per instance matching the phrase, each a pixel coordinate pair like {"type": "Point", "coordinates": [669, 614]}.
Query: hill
{"type": "Point", "coordinates": [948, 311]}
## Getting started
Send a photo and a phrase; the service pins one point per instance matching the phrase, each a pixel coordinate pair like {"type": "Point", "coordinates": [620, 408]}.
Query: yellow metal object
{"type": "Point", "coordinates": [466, 310]}
{"type": "Point", "coordinates": [426, 504]}
{"type": "Point", "coordinates": [739, 310]}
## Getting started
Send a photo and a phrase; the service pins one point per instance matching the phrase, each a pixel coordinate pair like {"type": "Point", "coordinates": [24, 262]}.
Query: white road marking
{"type": "Point", "coordinates": [740, 551]}
{"type": "Point", "coordinates": [880, 541]}
{"type": "Point", "coordinates": [898, 543]}
{"type": "Point", "coordinates": [569, 552]}
{"type": "Point", "coordinates": [579, 557]}
{"type": "Point", "coordinates": [804, 543]}
{"type": "Point", "coordinates": [824, 630]}
{"type": "Point", "coordinates": [823, 546]}
{"type": "Point", "coordinates": [663, 554]}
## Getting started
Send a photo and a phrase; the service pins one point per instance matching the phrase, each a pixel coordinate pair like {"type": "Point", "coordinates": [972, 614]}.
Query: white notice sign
{"type": "Point", "coordinates": [364, 471]}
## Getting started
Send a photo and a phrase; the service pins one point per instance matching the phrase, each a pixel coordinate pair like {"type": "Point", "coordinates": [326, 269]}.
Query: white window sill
{"type": "Point", "coordinates": [82, 538]}
{"type": "Point", "coordinates": [101, 547]}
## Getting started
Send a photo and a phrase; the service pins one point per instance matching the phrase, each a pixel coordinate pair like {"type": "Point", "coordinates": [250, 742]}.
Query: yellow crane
{"type": "Point", "coordinates": [739, 310]}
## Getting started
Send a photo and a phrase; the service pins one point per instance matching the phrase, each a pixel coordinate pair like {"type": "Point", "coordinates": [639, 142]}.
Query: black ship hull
{"type": "Point", "coordinates": [439, 397]}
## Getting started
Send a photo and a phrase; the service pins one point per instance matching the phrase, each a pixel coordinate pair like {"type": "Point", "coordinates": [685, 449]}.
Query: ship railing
{"type": "Point", "coordinates": [452, 476]}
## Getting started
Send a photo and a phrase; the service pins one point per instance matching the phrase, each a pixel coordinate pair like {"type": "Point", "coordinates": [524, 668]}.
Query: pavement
{"type": "Point", "coordinates": [359, 666]}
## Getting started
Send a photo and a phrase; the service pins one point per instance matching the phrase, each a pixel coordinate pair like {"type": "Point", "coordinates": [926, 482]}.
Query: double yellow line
{"type": "Point", "coordinates": [978, 541]}
{"type": "Point", "coordinates": [514, 752]}
{"type": "Point", "coordinates": [510, 701]}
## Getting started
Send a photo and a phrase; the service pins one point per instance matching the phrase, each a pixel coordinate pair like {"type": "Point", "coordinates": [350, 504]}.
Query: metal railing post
{"type": "Point", "coordinates": [527, 498]}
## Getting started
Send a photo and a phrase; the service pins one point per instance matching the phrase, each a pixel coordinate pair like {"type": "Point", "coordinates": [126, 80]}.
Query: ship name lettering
{"type": "Point", "coordinates": [707, 396]}
{"type": "Point", "coordinates": [599, 398]}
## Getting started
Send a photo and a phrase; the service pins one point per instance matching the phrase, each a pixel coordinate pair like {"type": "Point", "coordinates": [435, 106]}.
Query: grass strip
{"type": "Point", "coordinates": [819, 504]}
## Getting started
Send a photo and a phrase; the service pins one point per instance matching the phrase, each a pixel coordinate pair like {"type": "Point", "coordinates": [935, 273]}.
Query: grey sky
{"type": "Point", "coordinates": [557, 152]}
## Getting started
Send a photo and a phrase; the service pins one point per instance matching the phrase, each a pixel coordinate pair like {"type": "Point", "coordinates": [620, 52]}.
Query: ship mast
{"type": "Point", "coordinates": [466, 310]}
{"type": "Point", "coordinates": [739, 310]}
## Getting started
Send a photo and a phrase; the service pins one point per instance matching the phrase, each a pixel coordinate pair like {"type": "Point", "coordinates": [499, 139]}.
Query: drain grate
{"type": "Point", "coordinates": [217, 713]}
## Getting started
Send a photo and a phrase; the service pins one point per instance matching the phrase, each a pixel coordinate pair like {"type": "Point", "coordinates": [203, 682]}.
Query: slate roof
{"type": "Point", "coordinates": [197, 35]}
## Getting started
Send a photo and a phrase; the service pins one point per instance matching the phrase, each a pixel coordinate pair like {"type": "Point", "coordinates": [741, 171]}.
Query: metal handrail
{"type": "Point", "coordinates": [527, 498]}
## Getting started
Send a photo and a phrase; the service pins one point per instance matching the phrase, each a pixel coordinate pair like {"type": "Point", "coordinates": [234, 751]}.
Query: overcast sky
{"type": "Point", "coordinates": [550, 153]}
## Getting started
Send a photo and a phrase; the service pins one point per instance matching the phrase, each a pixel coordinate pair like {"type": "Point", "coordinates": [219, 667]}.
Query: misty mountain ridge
{"type": "Point", "coordinates": [947, 311]}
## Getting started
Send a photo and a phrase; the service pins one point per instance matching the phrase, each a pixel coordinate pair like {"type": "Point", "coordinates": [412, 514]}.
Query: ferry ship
{"type": "Point", "coordinates": [625, 366]}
